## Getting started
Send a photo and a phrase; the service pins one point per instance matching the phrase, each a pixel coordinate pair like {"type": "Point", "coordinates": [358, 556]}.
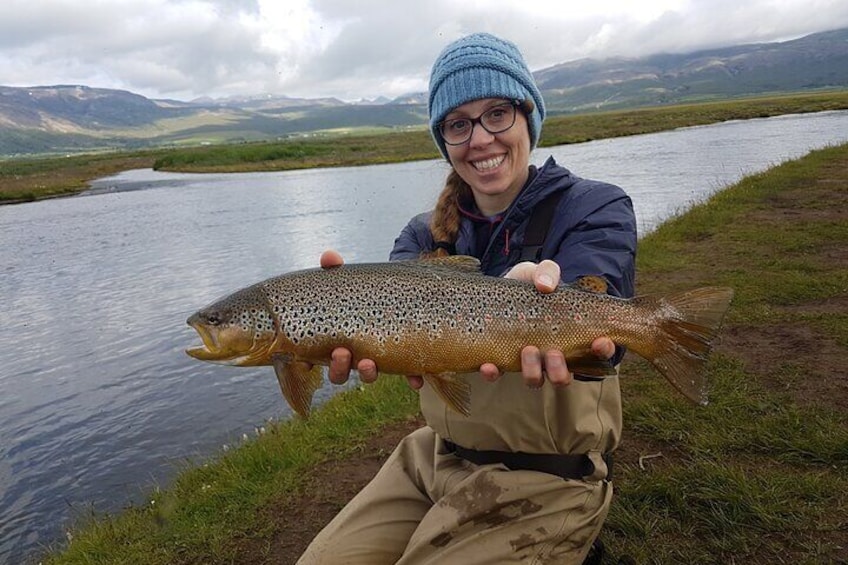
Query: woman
{"type": "Point", "coordinates": [526, 477]}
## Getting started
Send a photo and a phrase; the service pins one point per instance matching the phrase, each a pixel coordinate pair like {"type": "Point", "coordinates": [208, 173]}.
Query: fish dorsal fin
{"type": "Point", "coordinates": [298, 381]}
{"type": "Point", "coordinates": [464, 263]}
{"type": "Point", "coordinates": [592, 283]}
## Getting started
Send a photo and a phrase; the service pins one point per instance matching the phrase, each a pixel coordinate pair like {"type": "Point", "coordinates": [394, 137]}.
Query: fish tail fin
{"type": "Point", "coordinates": [298, 381]}
{"type": "Point", "coordinates": [456, 393]}
{"type": "Point", "coordinates": [687, 327]}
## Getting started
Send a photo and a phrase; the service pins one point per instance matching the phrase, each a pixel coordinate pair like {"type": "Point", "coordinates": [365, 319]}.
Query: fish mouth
{"type": "Point", "coordinates": [213, 351]}
{"type": "Point", "coordinates": [210, 350]}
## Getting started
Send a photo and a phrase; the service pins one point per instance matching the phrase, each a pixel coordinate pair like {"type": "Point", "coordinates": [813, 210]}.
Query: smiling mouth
{"type": "Point", "coordinates": [488, 164]}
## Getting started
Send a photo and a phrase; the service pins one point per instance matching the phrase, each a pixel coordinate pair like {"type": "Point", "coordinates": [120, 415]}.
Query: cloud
{"type": "Point", "coordinates": [154, 45]}
{"type": "Point", "coordinates": [190, 48]}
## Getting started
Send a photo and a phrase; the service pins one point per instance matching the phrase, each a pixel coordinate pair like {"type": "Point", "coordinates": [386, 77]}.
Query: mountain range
{"type": "Point", "coordinates": [72, 118]}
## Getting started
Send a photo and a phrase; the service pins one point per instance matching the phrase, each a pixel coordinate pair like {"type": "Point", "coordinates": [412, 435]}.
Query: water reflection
{"type": "Point", "coordinates": [98, 399]}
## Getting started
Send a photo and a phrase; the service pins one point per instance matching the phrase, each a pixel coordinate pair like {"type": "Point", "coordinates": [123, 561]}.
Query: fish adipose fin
{"type": "Point", "coordinates": [592, 283]}
{"type": "Point", "coordinates": [454, 392]}
{"type": "Point", "coordinates": [298, 381]}
{"type": "Point", "coordinates": [688, 328]}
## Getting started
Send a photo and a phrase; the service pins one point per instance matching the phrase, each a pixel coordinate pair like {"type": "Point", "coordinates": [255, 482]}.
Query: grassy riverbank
{"type": "Point", "coordinates": [33, 179]}
{"type": "Point", "coordinates": [760, 475]}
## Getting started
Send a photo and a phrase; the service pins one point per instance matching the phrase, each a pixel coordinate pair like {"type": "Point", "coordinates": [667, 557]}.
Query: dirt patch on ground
{"type": "Point", "coordinates": [795, 360]}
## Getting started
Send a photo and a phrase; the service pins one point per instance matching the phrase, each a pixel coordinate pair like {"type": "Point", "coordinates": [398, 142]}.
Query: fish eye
{"type": "Point", "coordinates": [213, 318]}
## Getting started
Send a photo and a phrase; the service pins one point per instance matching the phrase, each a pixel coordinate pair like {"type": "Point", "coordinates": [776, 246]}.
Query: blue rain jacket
{"type": "Point", "coordinates": [593, 231]}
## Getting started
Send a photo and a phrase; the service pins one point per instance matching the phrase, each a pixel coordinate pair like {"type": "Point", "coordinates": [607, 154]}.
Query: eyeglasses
{"type": "Point", "coordinates": [496, 119]}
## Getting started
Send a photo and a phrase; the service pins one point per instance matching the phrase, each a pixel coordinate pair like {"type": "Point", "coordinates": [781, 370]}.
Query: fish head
{"type": "Point", "coordinates": [236, 330]}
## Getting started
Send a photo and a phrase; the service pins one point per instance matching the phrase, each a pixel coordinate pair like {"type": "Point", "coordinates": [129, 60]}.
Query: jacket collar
{"type": "Point", "coordinates": [547, 179]}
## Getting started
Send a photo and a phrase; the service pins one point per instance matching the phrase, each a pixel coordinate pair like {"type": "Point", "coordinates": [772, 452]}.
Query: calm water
{"type": "Point", "coordinates": [98, 402]}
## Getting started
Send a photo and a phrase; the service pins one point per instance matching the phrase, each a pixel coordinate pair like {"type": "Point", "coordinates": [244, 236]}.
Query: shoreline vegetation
{"type": "Point", "coordinates": [759, 476]}
{"type": "Point", "coordinates": [37, 178]}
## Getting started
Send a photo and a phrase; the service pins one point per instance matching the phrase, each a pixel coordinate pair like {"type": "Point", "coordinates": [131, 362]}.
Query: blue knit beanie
{"type": "Point", "coordinates": [481, 66]}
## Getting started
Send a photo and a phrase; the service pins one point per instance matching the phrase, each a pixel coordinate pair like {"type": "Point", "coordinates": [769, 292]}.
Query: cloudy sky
{"type": "Point", "coordinates": [354, 49]}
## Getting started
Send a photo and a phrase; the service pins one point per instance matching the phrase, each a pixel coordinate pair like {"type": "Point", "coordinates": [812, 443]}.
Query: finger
{"type": "Point", "coordinates": [490, 372]}
{"type": "Point", "coordinates": [531, 366]}
{"type": "Point", "coordinates": [331, 258]}
{"type": "Point", "coordinates": [522, 271]}
{"type": "Point", "coordinates": [415, 381]}
{"type": "Point", "coordinates": [556, 369]}
{"type": "Point", "coordinates": [603, 347]}
{"type": "Point", "coordinates": [367, 370]}
{"type": "Point", "coordinates": [546, 276]}
{"type": "Point", "coordinates": [340, 360]}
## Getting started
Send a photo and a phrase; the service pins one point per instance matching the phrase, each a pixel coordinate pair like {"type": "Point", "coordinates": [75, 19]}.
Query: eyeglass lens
{"type": "Point", "coordinates": [496, 119]}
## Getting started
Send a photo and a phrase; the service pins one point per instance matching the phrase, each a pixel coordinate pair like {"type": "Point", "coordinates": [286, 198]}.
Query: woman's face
{"type": "Point", "coordinates": [495, 166]}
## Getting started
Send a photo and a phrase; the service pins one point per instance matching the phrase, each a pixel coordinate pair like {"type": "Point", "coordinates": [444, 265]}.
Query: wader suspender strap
{"type": "Point", "coordinates": [537, 229]}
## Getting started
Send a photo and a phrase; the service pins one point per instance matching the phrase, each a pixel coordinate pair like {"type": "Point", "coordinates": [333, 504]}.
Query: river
{"type": "Point", "coordinates": [98, 401]}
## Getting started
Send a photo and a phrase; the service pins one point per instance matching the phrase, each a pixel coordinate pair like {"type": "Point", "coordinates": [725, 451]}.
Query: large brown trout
{"type": "Point", "coordinates": [441, 318]}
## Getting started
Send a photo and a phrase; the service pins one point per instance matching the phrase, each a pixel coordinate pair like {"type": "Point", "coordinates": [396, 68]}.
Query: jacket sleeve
{"type": "Point", "coordinates": [414, 239]}
{"type": "Point", "coordinates": [596, 235]}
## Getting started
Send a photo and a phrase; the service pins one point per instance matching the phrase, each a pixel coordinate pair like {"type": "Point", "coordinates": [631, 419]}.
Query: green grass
{"type": "Point", "coordinates": [196, 520]}
{"type": "Point", "coordinates": [743, 420]}
{"type": "Point", "coordinates": [755, 476]}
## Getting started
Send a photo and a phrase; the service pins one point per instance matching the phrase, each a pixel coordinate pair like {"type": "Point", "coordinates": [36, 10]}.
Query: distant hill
{"type": "Point", "coordinates": [69, 118]}
{"type": "Point", "coordinates": [71, 108]}
{"type": "Point", "coordinates": [811, 62]}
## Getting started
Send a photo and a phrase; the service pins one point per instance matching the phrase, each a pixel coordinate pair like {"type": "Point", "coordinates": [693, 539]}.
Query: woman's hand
{"type": "Point", "coordinates": [341, 360]}
{"type": "Point", "coordinates": [535, 367]}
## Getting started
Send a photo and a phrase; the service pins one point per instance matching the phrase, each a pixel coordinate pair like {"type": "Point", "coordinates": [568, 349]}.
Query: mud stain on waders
{"type": "Point", "coordinates": [477, 505]}
{"type": "Point", "coordinates": [526, 540]}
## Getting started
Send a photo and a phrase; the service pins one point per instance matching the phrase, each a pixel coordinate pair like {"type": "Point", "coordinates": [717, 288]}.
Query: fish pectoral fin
{"type": "Point", "coordinates": [298, 381]}
{"type": "Point", "coordinates": [587, 363]}
{"type": "Point", "coordinates": [455, 392]}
